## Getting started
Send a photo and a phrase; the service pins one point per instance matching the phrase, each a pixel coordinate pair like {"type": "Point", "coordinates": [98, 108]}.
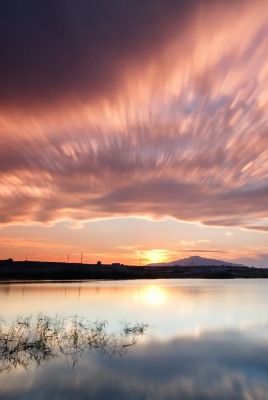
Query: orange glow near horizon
{"type": "Point", "coordinates": [131, 243]}
{"type": "Point", "coordinates": [179, 135]}
{"type": "Point", "coordinates": [154, 256]}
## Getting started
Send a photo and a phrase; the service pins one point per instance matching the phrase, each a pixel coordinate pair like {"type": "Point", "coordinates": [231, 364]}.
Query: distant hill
{"type": "Point", "coordinates": [196, 261]}
{"type": "Point", "coordinates": [190, 268]}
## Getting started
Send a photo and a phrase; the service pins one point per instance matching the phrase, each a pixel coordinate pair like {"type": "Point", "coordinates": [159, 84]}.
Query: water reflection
{"type": "Point", "coordinates": [218, 365]}
{"type": "Point", "coordinates": [184, 305]}
{"type": "Point", "coordinates": [30, 341]}
{"type": "Point", "coordinates": [152, 295]}
{"type": "Point", "coordinates": [206, 340]}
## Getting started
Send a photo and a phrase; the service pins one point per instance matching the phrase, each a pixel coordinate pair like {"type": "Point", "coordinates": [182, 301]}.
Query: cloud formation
{"type": "Point", "coordinates": [50, 50]}
{"type": "Point", "coordinates": [155, 110]}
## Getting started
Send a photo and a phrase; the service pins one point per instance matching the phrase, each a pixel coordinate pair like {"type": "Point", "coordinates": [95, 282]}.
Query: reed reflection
{"type": "Point", "coordinates": [34, 341]}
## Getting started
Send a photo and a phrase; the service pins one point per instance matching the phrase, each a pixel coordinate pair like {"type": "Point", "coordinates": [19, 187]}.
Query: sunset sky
{"type": "Point", "coordinates": [134, 131]}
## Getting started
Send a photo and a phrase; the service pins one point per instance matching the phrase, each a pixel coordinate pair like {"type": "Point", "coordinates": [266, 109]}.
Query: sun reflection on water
{"type": "Point", "coordinates": [153, 295]}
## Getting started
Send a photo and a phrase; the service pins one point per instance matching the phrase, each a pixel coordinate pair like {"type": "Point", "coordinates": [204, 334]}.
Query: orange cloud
{"type": "Point", "coordinates": [180, 131]}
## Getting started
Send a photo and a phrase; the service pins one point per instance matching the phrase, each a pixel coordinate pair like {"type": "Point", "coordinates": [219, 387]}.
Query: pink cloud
{"type": "Point", "coordinates": [185, 135]}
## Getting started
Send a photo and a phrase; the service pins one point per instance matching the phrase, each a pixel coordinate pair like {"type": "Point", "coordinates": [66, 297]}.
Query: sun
{"type": "Point", "coordinates": [155, 256]}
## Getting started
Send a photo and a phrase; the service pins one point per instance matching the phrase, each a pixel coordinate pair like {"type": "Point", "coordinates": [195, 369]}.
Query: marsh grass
{"type": "Point", "coordinates": [34, 341]}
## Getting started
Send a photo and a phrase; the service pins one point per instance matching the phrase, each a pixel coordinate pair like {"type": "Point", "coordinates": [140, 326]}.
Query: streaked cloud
{"type": "Point", "coordinates": [166, 115]}
{"type": "Point", "coordinates": [197, 251]}
{"type": "Point", "coordinates": [228, 233]}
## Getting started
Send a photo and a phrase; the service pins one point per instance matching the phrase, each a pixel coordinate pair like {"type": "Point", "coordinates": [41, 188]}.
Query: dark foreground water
{"type": "Point", "coordinates": [164, 339]}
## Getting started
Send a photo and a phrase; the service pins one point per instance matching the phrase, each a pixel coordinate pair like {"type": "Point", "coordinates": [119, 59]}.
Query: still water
{"type": "Point", "coordinates": [150, 340]}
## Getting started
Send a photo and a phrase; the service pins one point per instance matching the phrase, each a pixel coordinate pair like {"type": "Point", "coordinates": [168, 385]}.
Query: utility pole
{"type": "Point", "coordinates": [82, 258]}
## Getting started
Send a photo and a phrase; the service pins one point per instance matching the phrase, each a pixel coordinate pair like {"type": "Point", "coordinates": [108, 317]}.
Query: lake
{"type": "Point", "coordinates": [150, 340]}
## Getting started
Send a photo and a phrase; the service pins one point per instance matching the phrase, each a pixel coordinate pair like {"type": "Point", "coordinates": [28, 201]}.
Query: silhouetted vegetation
{"type": "Point", "coordinates": [57, 271]}
{"type": "Point", "coordinates": [30, 341]}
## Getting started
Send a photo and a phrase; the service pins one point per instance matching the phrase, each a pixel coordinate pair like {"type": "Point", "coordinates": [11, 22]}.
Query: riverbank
{"type": "Point", "coordinates": [55, 271]}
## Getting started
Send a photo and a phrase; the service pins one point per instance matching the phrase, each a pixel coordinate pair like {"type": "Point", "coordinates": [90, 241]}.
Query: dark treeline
{"type": "Point", "coordinates": [40, 271]}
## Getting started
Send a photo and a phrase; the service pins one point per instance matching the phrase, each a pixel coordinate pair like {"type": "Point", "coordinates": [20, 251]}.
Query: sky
{"type": "Point", "coordinates": [134, 132]}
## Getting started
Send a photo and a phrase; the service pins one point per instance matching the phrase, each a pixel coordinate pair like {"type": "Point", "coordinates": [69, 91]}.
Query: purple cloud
{"type": "Point", "coordinates": [185, 135]}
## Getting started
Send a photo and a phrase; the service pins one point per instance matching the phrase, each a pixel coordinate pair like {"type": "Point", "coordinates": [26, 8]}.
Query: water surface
{"type": "Point", "coordinates": [194, 339]}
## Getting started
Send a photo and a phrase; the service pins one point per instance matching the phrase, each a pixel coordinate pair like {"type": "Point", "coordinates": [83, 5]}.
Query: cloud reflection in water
{"type": "Point", "coordinates": [217, 364]}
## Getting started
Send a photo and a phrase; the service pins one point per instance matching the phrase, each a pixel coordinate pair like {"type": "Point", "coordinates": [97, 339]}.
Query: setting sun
{"type": "Point", "coordinates": [155, 256]}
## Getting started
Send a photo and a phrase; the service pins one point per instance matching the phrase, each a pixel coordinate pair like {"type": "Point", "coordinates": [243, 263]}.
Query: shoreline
{"type": "Point", "coordinates": [38, 271]}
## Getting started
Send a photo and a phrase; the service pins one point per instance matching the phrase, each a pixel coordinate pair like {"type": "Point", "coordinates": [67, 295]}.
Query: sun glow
{"type": "Point", "coordinates": [153, 295]}
{"type": "Point", "coordinates": [155, 256]}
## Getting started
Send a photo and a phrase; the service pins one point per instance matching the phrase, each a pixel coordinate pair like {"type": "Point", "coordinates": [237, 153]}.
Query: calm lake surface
{"type": "Point", "coordinates": [150, 340]}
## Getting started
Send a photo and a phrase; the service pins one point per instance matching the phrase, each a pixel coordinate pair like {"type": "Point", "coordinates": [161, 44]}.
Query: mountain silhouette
{"type": "Point", "coordinates": [196, 261]}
